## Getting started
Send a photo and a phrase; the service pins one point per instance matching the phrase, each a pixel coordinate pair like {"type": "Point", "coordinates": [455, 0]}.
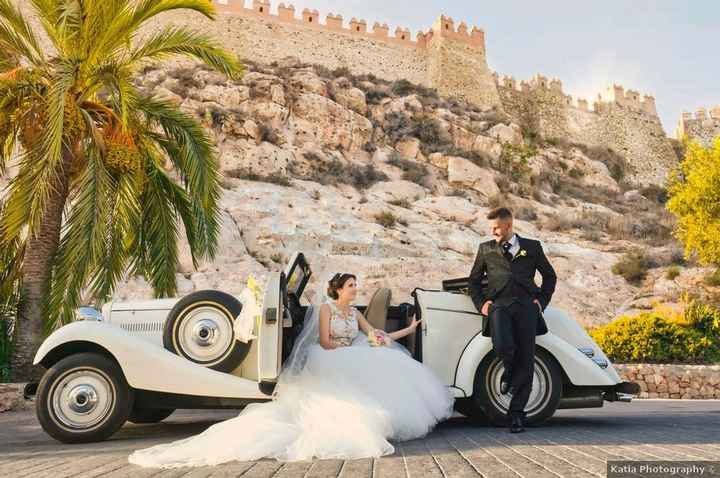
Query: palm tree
{"type": "Point", "coordinates": [95, 194]}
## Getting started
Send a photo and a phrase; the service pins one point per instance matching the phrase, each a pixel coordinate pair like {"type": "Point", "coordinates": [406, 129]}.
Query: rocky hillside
{"type": "Point", "coordinates": [392, 182]}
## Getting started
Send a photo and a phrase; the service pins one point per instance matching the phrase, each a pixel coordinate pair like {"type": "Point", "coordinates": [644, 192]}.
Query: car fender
{"type": "Point", "coordinates": [146, 366]}
{"type": "Point", "coordinates": [580, 369]}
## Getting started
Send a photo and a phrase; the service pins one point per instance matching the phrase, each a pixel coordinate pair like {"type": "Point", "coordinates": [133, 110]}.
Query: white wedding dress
{"type": "Point", "coordinates": [341, 403]}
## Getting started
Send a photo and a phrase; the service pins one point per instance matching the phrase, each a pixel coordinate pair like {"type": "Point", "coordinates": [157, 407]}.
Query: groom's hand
{"type": "Point", "coordinates": [486, 307]}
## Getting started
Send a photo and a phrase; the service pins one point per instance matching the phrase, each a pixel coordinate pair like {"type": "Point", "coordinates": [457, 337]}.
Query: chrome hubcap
{"type": "Point", "coordinates": [205, 334]}
{"type": "Point", "coordinates": [539, 393]}
{"type": "Point", "coordinates": [82, 398]}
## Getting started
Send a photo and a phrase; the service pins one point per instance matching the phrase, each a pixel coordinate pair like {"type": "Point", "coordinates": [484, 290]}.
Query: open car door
{"type": "Point", "coordinates": [282, 296]}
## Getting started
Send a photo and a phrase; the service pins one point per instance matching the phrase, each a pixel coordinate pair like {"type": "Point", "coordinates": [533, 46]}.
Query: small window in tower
{"type": "Point", "coordinates": [447, 26]}
{"type": "Point", "coordinates": [310, 19]}
{"type": "Point", "coordinates": [358, 28]}
{"type": "Point", "coordinates": [402, 37]}
{"type": "Point", "coordinates": [261, 9]}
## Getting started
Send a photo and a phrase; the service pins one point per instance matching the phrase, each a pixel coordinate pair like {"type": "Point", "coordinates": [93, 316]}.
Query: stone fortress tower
{"type": "Point", "coordinates": [450, 57]}
{"type": "Point", "coordinates": [704, 127]}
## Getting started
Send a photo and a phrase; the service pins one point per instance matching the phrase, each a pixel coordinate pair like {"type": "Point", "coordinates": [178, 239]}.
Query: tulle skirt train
{"type": "Point", "coordinates": [347, 403]}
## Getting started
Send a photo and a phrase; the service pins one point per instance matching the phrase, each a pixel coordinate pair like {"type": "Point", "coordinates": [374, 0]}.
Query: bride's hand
{"type": "Point", "coordinates": [413, 325]}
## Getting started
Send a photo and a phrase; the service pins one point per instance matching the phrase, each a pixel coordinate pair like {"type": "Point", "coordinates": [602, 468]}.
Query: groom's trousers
{"type": "Point", "coordinates": [513, 326]}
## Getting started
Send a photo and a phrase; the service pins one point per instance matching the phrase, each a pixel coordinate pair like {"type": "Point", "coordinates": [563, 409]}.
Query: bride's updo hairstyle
{"type": "Point", "coordinates": [338, 282]}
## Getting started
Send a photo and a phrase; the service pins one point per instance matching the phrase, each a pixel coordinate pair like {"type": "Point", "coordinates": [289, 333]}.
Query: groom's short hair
{"type": "Point", "coordinates": [501, 213]}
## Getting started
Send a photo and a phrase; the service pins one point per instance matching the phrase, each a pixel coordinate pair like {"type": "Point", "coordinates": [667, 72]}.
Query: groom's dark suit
{"type": "Point", "coordinates": [513, 318]}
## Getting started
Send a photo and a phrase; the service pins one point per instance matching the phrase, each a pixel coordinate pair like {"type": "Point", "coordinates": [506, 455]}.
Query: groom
{"type": "Point", "coordinates": [512, 304]}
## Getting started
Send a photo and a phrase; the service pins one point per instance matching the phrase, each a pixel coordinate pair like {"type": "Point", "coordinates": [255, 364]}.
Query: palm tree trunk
{"type": "Point", "coordinates": [35, 286]}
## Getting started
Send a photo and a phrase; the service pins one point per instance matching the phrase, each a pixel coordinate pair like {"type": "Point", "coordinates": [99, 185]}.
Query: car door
{"type": "Point", "coordinates": [270, 331]}
{"type": "Point", "coordinates": [280, 304]}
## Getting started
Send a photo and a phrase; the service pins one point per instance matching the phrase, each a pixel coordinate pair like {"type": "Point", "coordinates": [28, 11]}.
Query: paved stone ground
{"type": "Point", "coordinates": [574, 443]}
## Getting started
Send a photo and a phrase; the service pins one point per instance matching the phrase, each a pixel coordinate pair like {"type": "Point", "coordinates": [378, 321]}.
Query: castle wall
{"type": "Point", "coordinates": [625, 122]}
{"type": "Point", "coordinates": [452, 59]}
{"type": "Point", "coordinates": [456, 69]}
{"type": "Point", "coordinates": [265, 38]}
{"type": "Point", "coordinates": [703, 127]}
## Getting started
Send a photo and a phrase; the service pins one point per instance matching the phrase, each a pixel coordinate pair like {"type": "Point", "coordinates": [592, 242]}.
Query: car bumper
{"type": "Point", "coordinates": [622, 392]}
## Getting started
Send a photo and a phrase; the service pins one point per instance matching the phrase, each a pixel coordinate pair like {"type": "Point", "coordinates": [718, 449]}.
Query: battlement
{"type": "Point", "coordinates": [702, 114]}
{"type": "Point", "coordinates": [444, 27]}
{"type": "Point", "coordinates": [630, 98]}
{"type": "Point", "coordinates": [615, 94]}
{"type": "Point", "coordinates": [702, 126]}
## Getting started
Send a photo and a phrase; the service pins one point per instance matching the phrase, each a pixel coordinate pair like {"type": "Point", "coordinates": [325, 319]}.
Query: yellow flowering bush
{"type": "Point", "coordinates": [663, 336]}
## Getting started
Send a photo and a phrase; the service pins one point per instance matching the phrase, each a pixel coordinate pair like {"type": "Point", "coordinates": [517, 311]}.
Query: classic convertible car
{"type": "Point", "coordinates": [139, 361]}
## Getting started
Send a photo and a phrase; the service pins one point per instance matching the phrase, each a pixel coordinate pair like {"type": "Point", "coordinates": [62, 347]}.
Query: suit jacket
{"type": "Point", "coordinates": [491, 262]}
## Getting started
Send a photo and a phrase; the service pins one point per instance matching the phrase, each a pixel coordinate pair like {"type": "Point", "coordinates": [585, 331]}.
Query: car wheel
{"type": "Point", "coordinates": [149, 415]}
{"type": "Point", "coordinates": [200, 328]}
{"type": "Point", "coordinates": [83, 398]}
{"type": "Point", "coordinates": [544, 395]}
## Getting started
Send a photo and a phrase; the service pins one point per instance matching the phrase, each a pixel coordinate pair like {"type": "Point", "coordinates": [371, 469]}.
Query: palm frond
{"type": "Point", "coordinates": [178, 40]}
{"type": "Point", "coordinates": [122, 219]}
{"type": "Point", "coordinates": [128, 21]}
{"type": "Point", "coordinates": [23, 37]}
{"type": "Point", "coordinates": [83, 242]}
{"type": "Point", "coordinates": [191, 151]}
{"type": "Point", "coordinates": [98, 15]}
{"type": "Point", "coordinates": [156, 248]}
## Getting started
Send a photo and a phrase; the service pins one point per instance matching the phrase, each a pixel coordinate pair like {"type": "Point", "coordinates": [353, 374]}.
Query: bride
{"type": "Point", "coordinates": [340, 395]}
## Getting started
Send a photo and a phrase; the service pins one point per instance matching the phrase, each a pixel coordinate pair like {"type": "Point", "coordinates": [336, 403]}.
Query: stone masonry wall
{"type": "Point", "coordinates": [673, 381]}
{"type": "Point", "coordinates": [704, 127]}
{"type": "Point", "coordinates": [630, 127]}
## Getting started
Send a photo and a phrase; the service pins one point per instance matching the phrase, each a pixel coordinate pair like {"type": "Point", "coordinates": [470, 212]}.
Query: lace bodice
{"type": "Point", "coordinates": [343, 329]}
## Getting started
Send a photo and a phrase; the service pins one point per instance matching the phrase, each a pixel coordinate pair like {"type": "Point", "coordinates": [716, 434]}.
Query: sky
{"type": "Point", "coordinates": [665, 48]}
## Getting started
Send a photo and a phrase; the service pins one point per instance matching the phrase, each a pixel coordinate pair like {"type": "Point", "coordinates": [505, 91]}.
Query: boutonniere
{"type": "Point", "coordinates": [521, 253]}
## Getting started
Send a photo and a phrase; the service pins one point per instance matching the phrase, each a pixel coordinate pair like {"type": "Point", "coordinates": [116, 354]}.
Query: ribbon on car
{"type": "Point", "coordinates": [247, 323]}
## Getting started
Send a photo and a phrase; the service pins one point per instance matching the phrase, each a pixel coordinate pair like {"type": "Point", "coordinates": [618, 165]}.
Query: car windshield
{"type": "Point", "coordinates": [297, 276]}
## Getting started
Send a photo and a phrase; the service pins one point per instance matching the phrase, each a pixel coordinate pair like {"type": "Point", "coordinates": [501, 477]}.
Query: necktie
{"type": "Point", "coordinates": [506, 250]}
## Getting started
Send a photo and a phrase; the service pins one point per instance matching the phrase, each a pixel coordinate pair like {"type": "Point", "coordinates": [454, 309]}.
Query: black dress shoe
{"type": "Point", "coordinates": [516, 424]}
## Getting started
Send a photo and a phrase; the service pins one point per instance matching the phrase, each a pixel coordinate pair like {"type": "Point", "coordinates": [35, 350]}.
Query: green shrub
{"type": "Point", "coordinates": [338, 172]}
{"type": "Point", "coordinates": [388, 219]}
{"type": "Point", "coordinates": [362, 177]}
{"type": "Point", "coordinates": [412, 170]}
{"type": "Point", "coordinates": [270, 135]}
{"type": "Point", "coordinates": [655, 193]}
{"type": "Point", "coordinates": [274, 178]}
{"type": "Point", "coordinates": [404, 203]}
{"type": "Point", "coordinates": [633, 266]}
{"type": "Point", "coordinates": [713, 279]}
{"type": "Point", "coordinates": [514, 161]}
{"type": "Point", "coordinates": [672, 272]}
{"type": "Point", "coordinates": [576, 173]}
{"type": "Point", "coordinates": [399, 125]}
{"type": "Point", "coordinates": [402, 88]}
{"type": "Point", "coordinates": [375, 95]}
{"type": "Point", "coordinates": [662, 336]}
{"type": "Point", "coordinates": [342, 71]}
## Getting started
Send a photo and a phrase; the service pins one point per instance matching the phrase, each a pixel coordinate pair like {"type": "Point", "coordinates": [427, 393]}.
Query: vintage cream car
{"type": "Point", "coordinates": [139, 361]}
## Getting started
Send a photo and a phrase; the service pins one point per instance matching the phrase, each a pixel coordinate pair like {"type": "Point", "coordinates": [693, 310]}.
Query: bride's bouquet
{"type": "Point", "coordinates": [378, 338]}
